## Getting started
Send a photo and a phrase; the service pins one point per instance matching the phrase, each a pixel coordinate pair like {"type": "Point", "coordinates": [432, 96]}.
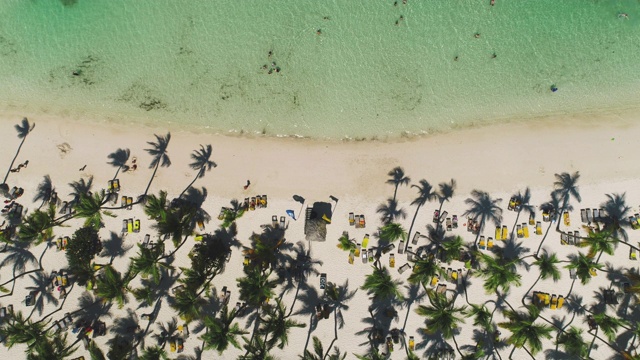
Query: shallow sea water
{"type": "Point", "coordinates": [199, 63]}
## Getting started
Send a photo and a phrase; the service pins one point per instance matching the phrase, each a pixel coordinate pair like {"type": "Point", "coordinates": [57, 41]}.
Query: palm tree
{"type": "Point", "coordinates": [319, 353]}
{"type": "Point", "coordinates": [38, 226]}
{"type": "Point", "coordinates": [112, 286]}
{"type": "Point", "coordinates": [397, 178]}
{"type": "Point", "coordinates": [583, 266]}
{"type": "Point", "coordinates": [498, 273]}
{"type": "Point", "coordinates": [482, 317]}
{"type": "Point", "coordinates": [424, 269]}
{"type": "Point", "coordinates": [89, 207]}
{"type": "Point", "coordinates": [201, 163]}
{"type": "Point", "coordinates": [451, 248]}
{"type": "Point", "coordinates": [166, 331]}
{"type": "Point", "coordinates": [18, 330]}
{"type": "Point", "coordinates": [158, 151]}
{"type": "Point", "coordinates": [44, 192]}
{"type": "Point", "coordinates": [548, 266]}
{"type": "Point", "coordinates": [566, 187]}
{"type": "Point", "coordinates": [53, 349]}
{"type": "Point", "coordinates": [276, 326]}
{"type": "Point", "coordinates": [221, 332]}
{"type": "Point", "coordinates": [617, 212]}
{"type": "Point", "coordinates": [381, 285]}
{"type": "Point", "coordinates": [551, 207]}
{"type": "Point", "coordinates": [147, 262]}
{"type": "Point", "coordinates": [42, 283]}
{"type": "Point", "coordinates": [524, 330]}
{"type": "Point", "coordinates": [390, 211]}
{"type": "Point", "coordinates": [598, 243]}
{"type": "Point", "coordinates": [484, 207]}
{"type": "Point", "coordinates": [392, 232]}
{"type": "Point", "coordinates": [425, 194]}
{"type": "Point", "coordinates": [256, 286]}
{"type": "Point", "coordinates": [153, 353]}
{"type": "Point", "coordinates": [573, 343]}
{"type": "Point", "coordinates": [188, 304]}
{"type": "Point", "coordinates": [23, 129]}
{"type": "Point", "coordinates": [442, 315]}
{"type": "Point", "coordinates": [119, 160]}
{"type": "Point", "coordinates": [233, 213]}
{"type": "Point", "coordinates": [346, 244]}
{"type": "Point", "coordinates": [609, 325]}
{"type": "Point", "coordinates": [156, 206]}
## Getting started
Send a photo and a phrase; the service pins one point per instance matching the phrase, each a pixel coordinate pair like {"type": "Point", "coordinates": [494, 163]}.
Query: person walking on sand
{"type": "Point", "coordinates": [247, 186]}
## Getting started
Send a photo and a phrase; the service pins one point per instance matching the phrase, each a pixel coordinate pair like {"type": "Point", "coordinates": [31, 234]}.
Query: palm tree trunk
{"type": "Point", "coordinates": [335, 332]}
{"type": "Point", "coordinates": [516, 223]}
{"type": "Point", "coordinates": [544, 238]}
{"type": "Point", "coordinates": [14, 160]}
{"type": "Point", "coordinates": [406, 243]}
{"type": "Point", "coordinates": [528, 291]}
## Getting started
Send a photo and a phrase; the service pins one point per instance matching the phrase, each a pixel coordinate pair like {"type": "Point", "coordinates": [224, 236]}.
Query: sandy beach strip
{"type": "Point", "coordinates": [500, 159]}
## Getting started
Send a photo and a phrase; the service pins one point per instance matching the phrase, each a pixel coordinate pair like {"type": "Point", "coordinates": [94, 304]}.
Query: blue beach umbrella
{"type": "Point", "coordinates": [292, 214]}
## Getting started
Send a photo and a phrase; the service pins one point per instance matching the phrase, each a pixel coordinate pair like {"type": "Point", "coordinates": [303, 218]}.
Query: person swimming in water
{"type": "Point", "coordinates": [623, 16]}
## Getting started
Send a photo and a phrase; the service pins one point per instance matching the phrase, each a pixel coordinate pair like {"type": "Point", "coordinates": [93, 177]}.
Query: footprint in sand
{"type": "Point", "coordinates": [64, 148]}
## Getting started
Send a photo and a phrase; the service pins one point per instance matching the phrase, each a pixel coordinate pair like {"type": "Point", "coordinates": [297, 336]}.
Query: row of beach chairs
{"type": "Point", "coordinates": [113, 186]}
{"type": "Point", "coordinates": [126, 202]}
{"type": "Point", "coordinates": [453, 276]}
{"type": "Point", "coordinates": [276, 224]}
{"type": "Point", "coordinates": [252, 203]}
{"type": "Point", "coordinates": [130, 226]}
{"type": "Point", "coordinates": [570, 238]}
{"type": "Point", "coordinates": [62, 242]}
{"type": "Point", "coordinates": [544, 299]}
{"type": "Point", "coordinates": [588, 215]}
{"type": "Point", "coordinates": [357, 220]}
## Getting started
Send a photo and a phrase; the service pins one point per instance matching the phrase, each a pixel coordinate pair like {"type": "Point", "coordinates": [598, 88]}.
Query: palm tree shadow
{"type": "Point", "coordinates": [44, 192]}
{"type": "Point", "coordinates": [19, 256]}
{"type": "Point", "coordinates": [575, 305]}
{"type": "Point", "coordinates": [42, 283]}
{"type": "Point", "coordinates": [114, 247]}
{"type": "Point", "coordinates": [119, 160]}
{"type": "Point", "coordinates": [414, 295]}
{"type": "Point", "coordinates": [128, 326]}
{"type": "Point", "coordinates": [390, 211]}
{"type": "Point", "coordinates": [513, 250]}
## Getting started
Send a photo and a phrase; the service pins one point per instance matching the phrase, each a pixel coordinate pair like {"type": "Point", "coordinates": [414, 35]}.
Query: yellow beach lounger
{"type": "Point", "coordinates": [123, 201]}
{"type": "Point", "coordinates": [490, 243]}
{"type": "Point", "coordinates": [136, 226]}
{"type": "Point", "coordinates": [351, 257]}
{"type": "Point", "coordinates": [560, 301]}
{"type": "Point", "coordinates": [434, 280]}
{"type": "Point", "coordinates": [505, 232]}
{"type": "Point", "coordinates": [454, 276]}
{"type": "Point", "coordinates": [554, 302]}
{"type": "Point", "coordinates": [412, 343]}
{"type": "Point", "coordinates": [129, 203]}
{"type": "Point", "coordinates": [632, 254]}
{"type": "Point", "coordinates": [365, 241]}
{"type": "Point", "coordinates": [519, 231]}
{"type": "Point", "coordinates": [525, 230]}
{"type": "Point", "coordinates": [547, 299]}
{"type": "Point", "coordinates": [498, 233]}
{"type": "Point", "coordinates": [392, 260]}
{"type": "Point", "coordinates": [172, 345]}
{"type": "Point", "coordinates": [130, 225]}
{"type": "Point", "coordinates": [593, 272]}
{"type": "Point", "coordinates": [538, 228]}
{"type": "Point", "coordinates": [567, 220]}
{"type": "Point", "coordinates": [352, 219]}
{"type": "Point", "coordinates": [246, 261]}
{"type": "Point", "coordinates": [481, 243]}
{"type": "Point", "coordinates": [532, 219]}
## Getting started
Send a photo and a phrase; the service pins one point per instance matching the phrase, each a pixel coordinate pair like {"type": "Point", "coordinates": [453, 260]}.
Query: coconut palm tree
{"type": "Point", "coordinates": [482, 317]}
{"type": "Point", "coordinates": [425, 194]}
{"type": "Point", "coordinates": [390, 211]}
{"type": "Point", "coordinates": [573, 343]}
{"type": "Point", "coordinates": [23, 129]}
{"type": "Point", "coordinates": [112, 286]}
{"type": "Point", "coordinates": [583, 265]}
{"type": "Point", "coordinates": [498, 273]}
{"type": "Point", "coordinates": [201, 163]}
{"type": "Point", "coordinates": [524, 330]}
{"type": "Point", "coordinates": [346, 244]}
{"type": "Point", "coordinates": [188, 304]}
{"type": "Point", "coordinates": [233, 213]}
{"type": "Point", "coordinates": [392, 232]}
{"type": "Point", "coordinates": [617, 216]}
{"type": "Point", "coordinates": [119, 160]}
{"type": "Point", "coordinates": [276, 325]}
{"type": "Point", "coordinates": [221, 331]}
{"type": "Point", "coordinates": [89, 207]}
{"type": "Point", "coordinates": [158, 151]}
{"type": "Point", "coordinates": [372, 354]}
{"type": "Point", "coordinates": [41, 287]}
{"type": "Point", "coordinates": [18, 330]}
{"type": "Point", "coordinates": [484, 207]}
{"type": "Point", "coordinates": [609, 325]}
{"type": "Point", "coordinates": [381, 285]}
{"type": "Point", "coordinates": [153, 353]}
{"type": "Point", "coordinates": [44, 192]}
{"type": "Point", "coordinates": [598, 243]}
{"type": "Point", "coordinates": [451, 248]}
{"type": "Point", "coordinates": [548, 268]}
{"type": "Point", "coordinates": [156, 206]}
{"type": "Point", "coordinates": [55, 348]}
{"type": "Point", "coordinates": [256, 286]}
{"type": "Point", "coordinates": [397, 178]}
{"type": "Point", "coordinates": [441, 315]}
{"type": "Point", "coordinates": [319, 353]}
{"type": "Point", "coordinates": [566, 188]}
{"type": "Point", "coordinates": [81, 187]}
{"type": "Point", "coordinates": [38, 226]}
{"type": "Point", "coordinates": [148, 262]}
{"type": "Point", "coordinates": [424, 269]}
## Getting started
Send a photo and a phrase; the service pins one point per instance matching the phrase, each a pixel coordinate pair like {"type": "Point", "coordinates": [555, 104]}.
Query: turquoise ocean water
{"type": "Point", "coordinates": [200, 62]}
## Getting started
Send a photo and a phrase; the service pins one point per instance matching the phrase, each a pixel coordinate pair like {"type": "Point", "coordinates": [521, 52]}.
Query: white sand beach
{"type": "Point", "coordinates": [499, 159]}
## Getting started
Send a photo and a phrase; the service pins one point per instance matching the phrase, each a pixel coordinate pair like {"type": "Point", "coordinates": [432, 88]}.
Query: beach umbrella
{"type": "Point", "coordinates": [292, 214]}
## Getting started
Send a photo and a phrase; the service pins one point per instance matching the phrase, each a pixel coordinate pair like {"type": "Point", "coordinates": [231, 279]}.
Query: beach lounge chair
{"type": "Point", "coordinates": [564, 238]}
{"type": "Point", "coordinates": [449, 226]}
{"type": "Point", "coordinates": [593, 325]}
{"type": "Point", "coordinates": [388, 248]}
{"type": "Point", "coordinates": [498, 233]}
{"type": "Point", "coordinates": [59, 244]}
{"type": "Point", "coordinates": [363, 223]}
{"type": "Point", "coordinates": [455, 221]}
{"type": "Point", "coordinates": [245, 262]}
{"type": "Point", "coordinates": [116, 185]}
{"type": "Point", "coordinates": [323, 281]}
{"type": "Point", "coordinates": [505, 232]}
{"type": "Point", "coordinates": [129, 203]}
{"type": "Point", "coordinates": [632, 254]}
{"type": "Point", "coordinates": [610, 297]}
{"type": "Point", "coordinates": [282, 222]}
{"type": "Point", "coordinates": [410, 253]}
{"type": "Point", "coordinates": [600, 215]}
{"type": "Point", "coordinates": [633, 220]}
{"type": "Point", "coordinates": [436, 216]}
{"type": "Point", "coordinates": [469, 224]}
{"type": "Point", "coordinates": [351, 257]}
{"type": "Point", "coordinates": [264, 201]}
{"type": "Point", "coordinates": [481, 244]}
{"type": "Point", "coordinates": [136, 226]}
{"type": "Point", "coordinates": [454, 276]}
{"type": "Point", "coordinates": [404, 268]}
{"type": "Point", "coordinates": [172, 344]}
{"type": "Point", "coordinates": [389, 343]}
{"type": "Point", "coordinates": [519, 231]}
{"type": "Point", "coordinates": [364, 256]}
{"type": "Point", "coordinates": [200, 225]}
{"type": "Point", "coordinates": [123, 201]}
{"type": "Point", "coordinates": [449, 273]}
{"type": "Point", "coordinates": [352, 219]}
{"type": "Point", "coordinates": [124, 226]}
{"type": "Point", "coordinates": [130, 225]}
{"type": "Point", "coordinates": [532, 219]}
{"type": "Point", "coordinates": [459, 280]}
{"type": "Point", "coordinates": [109, 186]}
{"type": "Point", "coordinates": [357, 250]}
{"type": "Point", "coordinates": [572, 273]}
{"type": "Point", "coordinates": [401, 247]}
{"type": "Point", "coordinates": [538, 228]}
{"type": "Point", "coordinates": [56, 325]}
{"type": "Point", "coordinates": [583, 215]}
{"type": "Point", "coordinates": [221, 213]}
{"type": "Point", "coordinates": [489, 243]}
{"type": "Point", "coordinates": [441, 289]}
{"type": "Point", "coordinates": [370, 255]}
{"type": "Point", "coordinates": [560, 301]}
{"type": "Point", "coordinates": [545, 216]}
{"type": "Point", "coordinates": [86, 342]}
{"type": "Point", "coordinates": [392, 261]}
{"type": "Point", "coordinates": [566, 218]}
{"type": "Point", "coordinates": [365, 241]}
{"type": "Point", "coordinates": [412, 343]}
{"type": "Point", "coordinates": [434, 280]}
{"type": "Point", "coordinates": [525, 230]}
{"type": "Point", "coordinates": [595, 216]}
{"type": "Point", "coordinates": [274, 221]}
{"type": "Point", "coordinates": [357, 221]}
{"type": "Point", "coordinates": [512, 203]}
{"type": "Point", "coordinates": [65, 280]}
{"type": "Point", "coordinates": [252, 204]}
{"type": "Point", "coordinates": [259, 201]}
{"type": "Point", "coordinates": [547, 299]}
{"type": "Point", "coordinates": [590, 216]}
{"type": "Point", "coordinates": [416, 236]}
{"type": "Point", "coordinates": [443, 216]}
{"type": "Point", "coordinates": [65, 242]}
{"type": "Point", "coordinates": [554, 302]}
{"type": "Point", "coordinates": [180, 344]}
